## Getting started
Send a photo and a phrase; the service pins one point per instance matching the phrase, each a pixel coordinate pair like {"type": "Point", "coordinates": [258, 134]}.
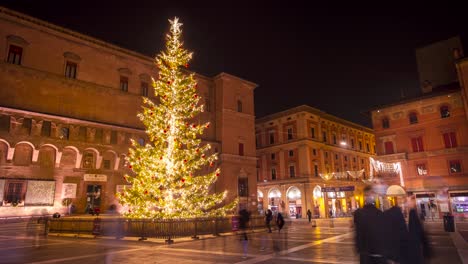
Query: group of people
{"type": "Point", "coordinates": [385, 237]}
{"type": "Point", "coordinates": [269, 217]}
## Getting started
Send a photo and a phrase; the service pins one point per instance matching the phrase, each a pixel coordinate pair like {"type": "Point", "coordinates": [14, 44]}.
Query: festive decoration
{"type": "Point", "coordinates": [172, 177]}
{"type": "Point", "coordinates": [385, 169]}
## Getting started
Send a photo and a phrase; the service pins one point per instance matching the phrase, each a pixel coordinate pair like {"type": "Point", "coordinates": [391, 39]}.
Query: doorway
{"type": "Point", "coordinates": [93, 196]}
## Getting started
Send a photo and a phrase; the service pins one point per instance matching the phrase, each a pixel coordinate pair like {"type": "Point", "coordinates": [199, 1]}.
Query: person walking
{"type": "Point", "coordinates": [268, 218]}
{"type": "Point", "coordinates": [309, 215]}
{"type": "Point", "coordinates": [279, 221]}
{"type": "Point", "coordinates": [419, 250]}
{"type": "Point", "coordinates": [396, 235]}
{"type": "Point", "coordinates": [368, 223]}
{"type": "Point", "coordinates": [244, 218]}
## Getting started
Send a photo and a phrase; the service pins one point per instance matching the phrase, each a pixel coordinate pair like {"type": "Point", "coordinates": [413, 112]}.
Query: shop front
{"type": "Point", "coordinates": [340, 201]}
{"type": "Point", "coordinates": [294, 202]}
{"type": "Point", "coordinates": [318, 203]}
{"type": "Point", "coordinates": [459, 204]}
{"type": "Point", "coordinates": [260, 203]}
{"type": "Point", "coordinates": [427, 205]}
{"type": "Point", "coordinates": [274, 200]}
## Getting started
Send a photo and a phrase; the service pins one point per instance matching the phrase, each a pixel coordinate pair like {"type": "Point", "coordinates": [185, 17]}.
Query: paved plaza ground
{"type": "Point", "coordinates": [300, 242]}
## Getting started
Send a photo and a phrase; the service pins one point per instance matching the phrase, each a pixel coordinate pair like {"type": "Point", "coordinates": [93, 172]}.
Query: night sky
{"type": "Point", "coordinates": [342, 59]}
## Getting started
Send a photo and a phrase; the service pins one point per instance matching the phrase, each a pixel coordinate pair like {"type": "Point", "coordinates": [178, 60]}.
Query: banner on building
{"type": "Point", "coordinates": [338, 189]}
{"type": "Point", "coordinates": [40, 193]}
{"type": "Point", "coordinates": [69, 190]}
{"type": "Point", "coordinates": [95, 177]}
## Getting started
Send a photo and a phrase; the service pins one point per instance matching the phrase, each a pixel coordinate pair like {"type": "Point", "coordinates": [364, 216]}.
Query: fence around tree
{"type": "Point", "coordinates": [148, 228]}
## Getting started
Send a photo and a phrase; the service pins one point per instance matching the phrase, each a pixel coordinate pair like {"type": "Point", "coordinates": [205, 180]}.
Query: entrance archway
{"type": "Point", "coordinates": [318, 203]}
{"type": "Point", "coordinates": [274, 196]}
{"type": "Point", "coordinates": [294, 202]}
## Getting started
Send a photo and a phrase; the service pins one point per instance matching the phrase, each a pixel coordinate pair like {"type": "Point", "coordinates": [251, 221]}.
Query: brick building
{"type": "Point", "coordinates": [68, 106]}
{"type": "Point", "coordinates": [428, 136]}
{"type": "Point", "coordinates": [311, 160]}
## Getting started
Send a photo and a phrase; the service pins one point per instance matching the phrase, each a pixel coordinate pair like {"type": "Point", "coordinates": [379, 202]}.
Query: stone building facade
{"type": "Point", "coordinates": [311, 160]}
{"type": "Point", "coordinates": [68, 109]}
{"type": "Point", "coordinates": [428, 136]}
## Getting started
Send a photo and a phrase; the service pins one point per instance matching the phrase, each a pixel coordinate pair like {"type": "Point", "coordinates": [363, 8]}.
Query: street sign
{"type": "Point", "coordinates": [338, 189]}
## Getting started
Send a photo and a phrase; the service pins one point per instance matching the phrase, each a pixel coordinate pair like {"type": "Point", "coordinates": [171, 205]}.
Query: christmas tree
{"type": "Point", "coordinates": [168, 179]}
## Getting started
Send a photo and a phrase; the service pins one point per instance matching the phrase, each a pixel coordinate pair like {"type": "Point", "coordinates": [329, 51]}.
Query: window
{"type": "Point", "coordinates": [141, 141]}
{"type": "Point", "coordinates": [70, 70]}
{"type": "Point", "coordinates": [324, 136]}
{"type": "Point", "coordinates": [450, 140]}
{"type": "Point", "coordinates": [14, 192]}
{"type": "Point", "coordinates": [389, 147]}
{"type": "Point", "coordinates": [273, 173]}
{"type": "Point", "coordinates": [291, 153]}
{"type": "Point", "coordinates": [290, 133]}
{"type": "Point", "coordinates": [421, 169]}
{"type": "Point", "coordinates": [273, 156]}
{"type": "Point", "coordinates": [360, 145]}
{"type": "Point", "coordinates": [316, 170]}
{"type": "Point", "coordinates": [352, 142]}
{"type": "Point", "coordinates": [336, 156]}
{"type": "Point", "coordinates": [5, 123]}
{"type": "Point", "coordinates": [243, 187]}
{"type": "Point", "coordinates": [354, 159]}
{"type": "Point", "coordinates": [64, 133]}
{"type": "Point", "coordinates": [417, 144]}
{"type": "Point", "coordinates": [46, 128]}
{"type": "Point", "coordinates": [113, 137]}
{"type": "Point", "coordinates": [123, 83]}
{"type": "Point", "coordinates": [455, 166]}
{"type": "Point", "coordinates": [15, 54]}
{"type": "Point", "coordinates": [326, 154]}
{"type": "Point", "coordinates": [312, 132]}
{"type": "Point", "coordinates": [367, 147]}
{"type": "Point", "coordinates": [241, 149]}
{"type": "Point", "coordinates": [88, 161]}
{"type": "Point", "coordinates": [334, 139]}
{"type": "Point", "coordinates": [144, 89]}
{"type": "Point", "coordinates": [271, 136]}
{"type": "Point", "coordinates": [314, 151]}
{"type": "Point", "coordinates": [27, 124]}
{"type": "Point", "coordinates": [106, 164]}
{"type": "Point", "coordinates": [362, 160]}
{"type": "Point", "coordinates": [385, 123]}
{"type": "Point", "coordinates": [239, 106]}
{"type": "Point", "coordinates": [413, 118]}
{"type": "Point", "coordinates": [444, 112]}
{"type": "Point", "coordinates": [346, 158]}
{"type": "Point", "coordinates": [292, 171]}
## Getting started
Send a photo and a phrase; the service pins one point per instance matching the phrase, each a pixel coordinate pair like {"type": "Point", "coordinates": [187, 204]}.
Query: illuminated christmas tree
{"type": "Point", "coordinates": [168, 180]}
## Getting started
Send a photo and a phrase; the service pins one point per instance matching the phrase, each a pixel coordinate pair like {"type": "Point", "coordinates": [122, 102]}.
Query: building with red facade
{"type": "Point", "coordinates": [68, 109]}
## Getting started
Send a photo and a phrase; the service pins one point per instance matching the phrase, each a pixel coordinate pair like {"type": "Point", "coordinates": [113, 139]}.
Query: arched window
{"type": "Point", "coordinates": [108, 161]}
{"type": "Point", "coordinates": [444, 111]}
{"type": "Point", "coordinates": [239, 106]}
{"type": "Point", "coordinates": [413, 118]}
{"type": "Point", "coordinates": [68, 159]}
{"type": "Point", "coordinates": [23, 155]}
{"type": "Point", "coordinates": [88, 160]}
{"type": "Point", "coordinates": [47, 157]}
{"type": "Point", "coordinates": [385, 122]}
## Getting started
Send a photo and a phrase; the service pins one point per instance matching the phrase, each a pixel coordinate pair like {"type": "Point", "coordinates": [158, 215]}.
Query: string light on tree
{"type": "Point", "coordinates": [168, 180]}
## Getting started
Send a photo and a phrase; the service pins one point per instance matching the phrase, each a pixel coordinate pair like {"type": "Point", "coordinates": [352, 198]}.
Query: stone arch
{"type": "Point", "coordinates": [23, 153]}
{"type": "Point", "coordinates": [274, 193]}
{"type": "Point", "coordinates": [293, 193]}
{"type": "Point", "coordinates": [69, 157]}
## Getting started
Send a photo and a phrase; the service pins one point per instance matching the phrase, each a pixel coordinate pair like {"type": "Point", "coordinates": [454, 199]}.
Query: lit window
{"type": "Point", "coordinates": [444, 112]}
{"type": "Point", "coordinates": [70, 70]}
{"type": "Point", "coordinates": [88, 161]}
{"type": "Point", "coordinates": [123, 83]}
{"type": "Point", "coordinates": [14, 192]}
{"type": "Point", "coordinates": [15, 54]}
{"type": "Point", "coordinates": [413, 118]}
{"type": "Point", "coordinates": [455, 166]}
{"type": "Point", "coordinates": [243, 187]}
{"type": "Point", "coordinates": [421, 169]}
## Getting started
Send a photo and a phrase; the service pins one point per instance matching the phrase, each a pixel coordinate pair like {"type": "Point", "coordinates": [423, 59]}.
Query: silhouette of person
{"type": "Point", "coordinates": [268, 218]}
{"type": "Point", "coordinates": [279, 221]}
{"type": "Point", "coordinates": [309, 215]}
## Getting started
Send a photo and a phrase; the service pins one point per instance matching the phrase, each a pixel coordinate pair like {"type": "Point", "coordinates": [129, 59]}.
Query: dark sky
{"type": "Point", "coordinates": [342, 59]}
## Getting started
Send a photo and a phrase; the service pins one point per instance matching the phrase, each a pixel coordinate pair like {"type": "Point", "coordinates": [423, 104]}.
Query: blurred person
{"type": "Point", "coordinates": [418, 249]}
{"type": "Point", "coordinates": [396, 235]}
{"type": "Point", "coordinates": [309, 215]}
{"type": "Point", "coordinates": [244, 218]}
{"type": "Point", "coordinates": [279, 221]}
{"type": "Point", "coordinates": [268, 218]}
{"type": "Point", "coordinates": [368, 224]}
